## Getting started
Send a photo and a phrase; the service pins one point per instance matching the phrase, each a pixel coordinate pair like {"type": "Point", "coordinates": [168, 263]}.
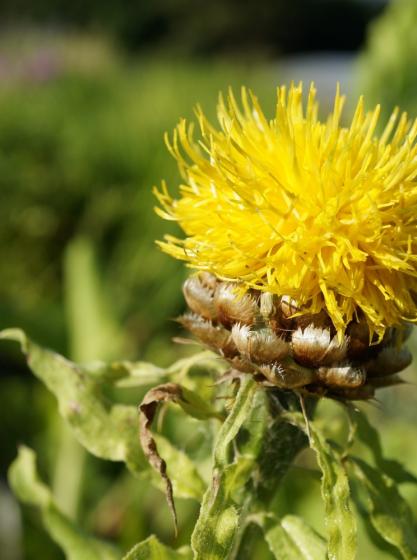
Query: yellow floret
{"type": "Point", "coordinates": [323, 213]}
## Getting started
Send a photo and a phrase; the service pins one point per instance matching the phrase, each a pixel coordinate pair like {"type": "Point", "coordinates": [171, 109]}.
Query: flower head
{"type": "Point", "coordinates": [320, 212]}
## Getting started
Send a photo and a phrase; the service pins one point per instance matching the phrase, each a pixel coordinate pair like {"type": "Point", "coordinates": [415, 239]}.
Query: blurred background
{"type": "Point", "coordinates": [87, 90]}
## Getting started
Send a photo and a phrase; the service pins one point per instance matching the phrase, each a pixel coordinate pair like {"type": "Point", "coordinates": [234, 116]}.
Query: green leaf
{"type": "Point", "coordinates": [216, 529]}
{"type": "Point", "coordinates": [281, 444]}
{"type": "Point", "coordinates": [27, 486]}
{"type": "Point", "coordinates": [134, 374]}
{"type": "Point", "coordinates": [128, 374]}
{"type": "Point", "coordinates": [290, 538]}
{"type": "Point", "coordinates": [152, 549]}
{"type": "Point", "coordinates": [196, 407]}
{"type": "Point", "coordinates": [389, 513]}
{"type": "Point", "coordinates": [370, 437]}
{"type": "Point", "coordinates": [107, 430]}
{"type": "Point", "coordinates": [340, 521]}
{"type": "Point", "coordinates": [93, 330]}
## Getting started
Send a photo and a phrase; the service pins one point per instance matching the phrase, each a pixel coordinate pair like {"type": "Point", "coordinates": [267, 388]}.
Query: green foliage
{"type": "Point", "coordinates": [370, 436]}
{"type": "Point", "coordinates": [79, 153]}
{"type": "Point", "coordinates": [152, 549]}
{"type": "Point", "coordinates": [339, 520]}
{"type": "Point", "coordinates": [386, 73]}
{"type": "Point", "coordinates": [229, 490]}
{"type": "Point", "coordinates": [389, 514]}
{"type": "Point", "coordinates": [26, 484]}
{"type": "Point", "coordinates": [107, 430]}
{"type": "Point", "coordinates": [216, 529]}
{"type": "Point", "coordinates": [290, 538]}
{"type": "Point", "coordinates": [92, 329]}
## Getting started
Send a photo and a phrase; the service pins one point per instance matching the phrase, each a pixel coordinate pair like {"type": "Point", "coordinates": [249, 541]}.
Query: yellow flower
{"type": "Point", "coordinates": [314, 210]}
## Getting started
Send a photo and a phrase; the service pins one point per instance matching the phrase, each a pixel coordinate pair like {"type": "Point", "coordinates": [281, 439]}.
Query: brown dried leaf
{"type": "Point", "coordinates": [191, 404]}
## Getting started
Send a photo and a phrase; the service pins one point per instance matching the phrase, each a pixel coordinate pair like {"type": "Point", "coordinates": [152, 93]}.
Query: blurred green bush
{"type": "Point", "coordinates": [387, 69]}
{"type": "Point", "coordinates": [80, 148]}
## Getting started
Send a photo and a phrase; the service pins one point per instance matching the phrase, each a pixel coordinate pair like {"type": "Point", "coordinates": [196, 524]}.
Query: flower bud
{"type": "Point", "coordinates": [314, 347]}
{"type": "Point", "coordinates": [233, 306]}
{"type": "Point", "coordinates": [259, 346]}
{"type": "Point", "coordinates": [342, 376]}
{"type": "Point", "coordinates": [216, 337]}
{"type": "Point", "coordinates": [287, 374]}
{"type": "Point", "coordinates": [199, 294]}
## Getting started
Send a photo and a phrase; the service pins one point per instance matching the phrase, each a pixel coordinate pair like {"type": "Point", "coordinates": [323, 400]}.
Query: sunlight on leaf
{"type": "Point", "coordinates": [136, 374]}
{"type": "Point", "coordinates": [290, 538]}
{"type": "Point", "coordinates": [152, 549]}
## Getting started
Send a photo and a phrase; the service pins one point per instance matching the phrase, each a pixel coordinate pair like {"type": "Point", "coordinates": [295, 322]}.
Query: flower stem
{"type": "Point", "coordinates": [251, 456]}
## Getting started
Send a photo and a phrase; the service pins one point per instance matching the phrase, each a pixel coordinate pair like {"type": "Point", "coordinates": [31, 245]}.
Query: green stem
{"type": "Point", "coordinates": [281, 444]}
{"type": "Point", "coordinates": [217, 527]}
{"type": "Point", "coordinates": [251, 456]}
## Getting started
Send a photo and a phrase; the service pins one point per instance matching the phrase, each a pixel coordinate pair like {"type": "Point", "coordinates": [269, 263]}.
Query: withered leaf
{"type": "Point", "coordinates": [191, 403]}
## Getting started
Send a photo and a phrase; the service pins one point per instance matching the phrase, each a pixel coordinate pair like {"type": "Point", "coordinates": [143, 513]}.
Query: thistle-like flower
{"type": "Point", "coordinates": [306, 236]}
